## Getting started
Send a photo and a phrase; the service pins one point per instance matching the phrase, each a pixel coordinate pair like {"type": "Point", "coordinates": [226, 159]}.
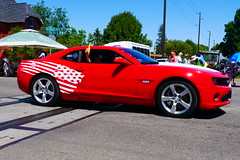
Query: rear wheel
{"type": "Point", "coordinates": [177, 98]}
{"type": "Point", "coordinates": [44, 90]}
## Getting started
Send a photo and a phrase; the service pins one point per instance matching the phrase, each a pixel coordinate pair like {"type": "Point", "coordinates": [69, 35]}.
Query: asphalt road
{"type": "Point", "coordinates": [124, 132]}
{"type": "Point", "coordinates": [9, 87]}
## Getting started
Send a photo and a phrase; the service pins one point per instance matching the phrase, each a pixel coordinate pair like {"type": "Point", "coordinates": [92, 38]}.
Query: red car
{"type": "Point", "coordinates": [120, 75]}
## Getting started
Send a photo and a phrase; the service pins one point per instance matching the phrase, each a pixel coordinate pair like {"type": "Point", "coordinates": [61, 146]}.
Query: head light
{"type": "Point", "coordinates": [220, 81]}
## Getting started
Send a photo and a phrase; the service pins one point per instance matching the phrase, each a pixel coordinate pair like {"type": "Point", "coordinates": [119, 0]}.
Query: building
{"type": "Point", "coordinates": [14, 14]}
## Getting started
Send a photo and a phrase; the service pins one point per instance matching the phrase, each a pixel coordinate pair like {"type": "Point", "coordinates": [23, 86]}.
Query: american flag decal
{"type": "Point", "coordinates": [67, 78]}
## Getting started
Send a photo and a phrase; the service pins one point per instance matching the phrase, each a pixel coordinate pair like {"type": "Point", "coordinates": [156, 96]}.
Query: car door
{"type": "Point", "coordinates": [104, 80]}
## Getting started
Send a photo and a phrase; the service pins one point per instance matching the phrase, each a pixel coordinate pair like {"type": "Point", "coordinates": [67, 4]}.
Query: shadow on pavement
{"type": "Point", "coordinates": [208, 114]}
{"type": "Point", "coordinates": [105, 107]}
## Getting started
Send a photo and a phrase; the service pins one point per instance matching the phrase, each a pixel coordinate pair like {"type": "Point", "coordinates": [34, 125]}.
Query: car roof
{"type": "Point", "coordinates": [61, 53]}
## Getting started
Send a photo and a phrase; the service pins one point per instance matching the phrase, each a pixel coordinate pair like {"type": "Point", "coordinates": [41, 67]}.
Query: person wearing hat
{"type": "Point", "coordinates": [178, 58]}
{"type": "Point", "coordinates": [186, 60]}
{"type": "Point", "coordinates": [198, 61]}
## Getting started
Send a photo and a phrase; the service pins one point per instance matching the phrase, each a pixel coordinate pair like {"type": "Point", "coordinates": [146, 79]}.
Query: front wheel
{"type": "Point", "coordinates": [44, 90]}
{"type": "Point", "coordinates": [177, 98]}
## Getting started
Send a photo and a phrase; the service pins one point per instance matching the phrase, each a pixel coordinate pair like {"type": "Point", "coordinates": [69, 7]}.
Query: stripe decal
{"type": "Point", "coordinates": [67, 78]}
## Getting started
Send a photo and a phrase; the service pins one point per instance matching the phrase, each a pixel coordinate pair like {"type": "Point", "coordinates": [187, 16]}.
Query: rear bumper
{"type": "Point", "coordinates": [24, 81]}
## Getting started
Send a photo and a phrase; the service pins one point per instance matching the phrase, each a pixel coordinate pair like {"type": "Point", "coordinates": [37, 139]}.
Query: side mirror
{"type": "Point", "coordinates": [121, 61]}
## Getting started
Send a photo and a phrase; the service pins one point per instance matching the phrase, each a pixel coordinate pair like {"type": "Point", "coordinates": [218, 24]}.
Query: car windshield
{"type": "Point", "coordinates": [144, 59]}
{"type": "Point", "coordinates": [210, 57]}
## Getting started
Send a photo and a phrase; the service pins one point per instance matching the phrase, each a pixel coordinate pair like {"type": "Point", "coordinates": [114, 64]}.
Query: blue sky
{"type": "Point", "coordinates": [182, 18]}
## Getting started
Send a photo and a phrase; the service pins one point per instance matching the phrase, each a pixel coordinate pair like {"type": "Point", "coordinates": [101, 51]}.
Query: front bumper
{"type": "Point", "coordinates": [215, 97]}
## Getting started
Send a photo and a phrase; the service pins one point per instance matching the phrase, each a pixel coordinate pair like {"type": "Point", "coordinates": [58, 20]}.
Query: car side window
{"type": "Point", "coordinates": [76, 56]}
{"type": "Point", "coordinates": [103, 56]}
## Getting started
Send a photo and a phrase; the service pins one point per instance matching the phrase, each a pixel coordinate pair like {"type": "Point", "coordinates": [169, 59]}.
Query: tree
{"type": "Point", "coordinates": [44, 12]}
{"type": "Point", "coordinates": [125, 27]}
{"type": "Point", "coordinates": [178, 46]}
{"type": "Point", "coordinates": [59, 20]}
{"type": "Point", "coordinates": [159, 41]}
{"type": "Point", "coordinates": [73, 38]}
{"type": "Point", "coordinates": [231, 40]}
{"type": "Point", "coordinates": [203, 48]}
{"type": "Point", "coordinates": [54, 22]}
{"type": "Point", "coordinates": [216, 47]}
{"type": "Point", "coordinates": [193, 45]}
{"type": "Point", "coordinates": [97, 37]}
{"type": "Point", "coordinates": [228, 46]}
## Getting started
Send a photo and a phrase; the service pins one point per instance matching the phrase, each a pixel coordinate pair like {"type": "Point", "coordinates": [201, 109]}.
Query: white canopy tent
{"type": "Point", "coordinates": [31, 39]}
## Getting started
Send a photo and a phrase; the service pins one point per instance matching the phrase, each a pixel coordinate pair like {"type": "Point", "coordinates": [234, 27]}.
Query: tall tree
{"type": "Point", "coordinates": [159, 41]}
{"type": "Point", "coordinates": [97, 37]}
{"type": "Point", "coordinates": [59, 20]}
{"type": "Point", "coordinates": [54, 21]}
{"type": "Point", "coordinates": [124, 27]}
{"type": "Point", "coordinates": [231, 40]}
{"type": "Point", "coordinates": [44, 12]}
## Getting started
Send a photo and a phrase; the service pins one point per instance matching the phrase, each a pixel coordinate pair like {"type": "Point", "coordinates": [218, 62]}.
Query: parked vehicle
{"type": "Point", "coordinates": [212, 56]}
{"type": "Point", "coordinates": [122, 75]}
{"type": "Point", "coordinates": [145, 49]}
{"type": "Point", "coordinates": [163, 60]}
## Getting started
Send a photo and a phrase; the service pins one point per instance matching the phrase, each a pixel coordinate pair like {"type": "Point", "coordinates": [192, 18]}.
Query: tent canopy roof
{"type": "Point", "coordinates": [30, 38]}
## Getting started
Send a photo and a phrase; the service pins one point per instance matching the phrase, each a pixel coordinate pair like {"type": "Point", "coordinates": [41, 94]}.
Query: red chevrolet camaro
{"type": "Point", "coordinates": [125, 76]}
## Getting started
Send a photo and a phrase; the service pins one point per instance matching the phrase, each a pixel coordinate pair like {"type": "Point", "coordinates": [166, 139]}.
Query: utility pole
{"type": "Point", "coordinates": [164, 28]}
{"type": "Point", "coordinates": [213, 42]}
{"type": "Point", "coordinates": [199, 29]}
{"type": "Point", "coordinates": [209, 41]}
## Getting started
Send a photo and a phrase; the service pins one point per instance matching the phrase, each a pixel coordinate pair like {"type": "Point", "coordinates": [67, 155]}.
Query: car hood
{"type": "Point", "coordinates": [187, 66]}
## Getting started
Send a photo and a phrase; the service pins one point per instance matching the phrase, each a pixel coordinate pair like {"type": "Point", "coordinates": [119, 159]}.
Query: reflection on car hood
{"type": "Point", "coordinates": [187, 66]}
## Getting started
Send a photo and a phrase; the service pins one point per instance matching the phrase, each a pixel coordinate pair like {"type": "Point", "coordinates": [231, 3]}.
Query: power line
{"type": "Point", "coordinates": [182, 11]}
{"type": "Point", "coordinates": [192, 6]}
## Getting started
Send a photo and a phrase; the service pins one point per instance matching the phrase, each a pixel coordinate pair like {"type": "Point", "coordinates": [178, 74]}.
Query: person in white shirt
{"type": "Point", "coordinates": [178, 58]}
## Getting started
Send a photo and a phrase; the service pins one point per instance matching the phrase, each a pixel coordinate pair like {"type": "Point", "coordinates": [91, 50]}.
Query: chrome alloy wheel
{"type": "Point", "coordinates": [43, 90]}
{"type": "Point", "coordinates": [176, 98]}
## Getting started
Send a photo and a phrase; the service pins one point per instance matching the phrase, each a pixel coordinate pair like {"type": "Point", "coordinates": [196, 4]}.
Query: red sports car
{"type": "Point", "coordinates": [120, 75]}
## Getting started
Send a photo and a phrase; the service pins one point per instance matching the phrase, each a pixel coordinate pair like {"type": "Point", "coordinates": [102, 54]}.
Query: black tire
{"type": "Point", "coordinates": [45, 90]}
{"type": "Point", "coordinates": [177, 98]}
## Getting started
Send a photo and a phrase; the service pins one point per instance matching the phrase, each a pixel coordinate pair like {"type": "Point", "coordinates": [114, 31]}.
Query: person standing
{"type": "Point", "coordinates": [173, 57]}
{"type": "Point", "coordinates": [178, 58]}
{"type": "Point", "coordinates": [6, 67]}
{"type": "Point", "coordinates": [198, 61]}
{"type": "Point", "coordinates": [42, 54]}
{"type": "Point", "coordinates": [186, 60]}
{"type": "Point", "coordinates": [199, 55]}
